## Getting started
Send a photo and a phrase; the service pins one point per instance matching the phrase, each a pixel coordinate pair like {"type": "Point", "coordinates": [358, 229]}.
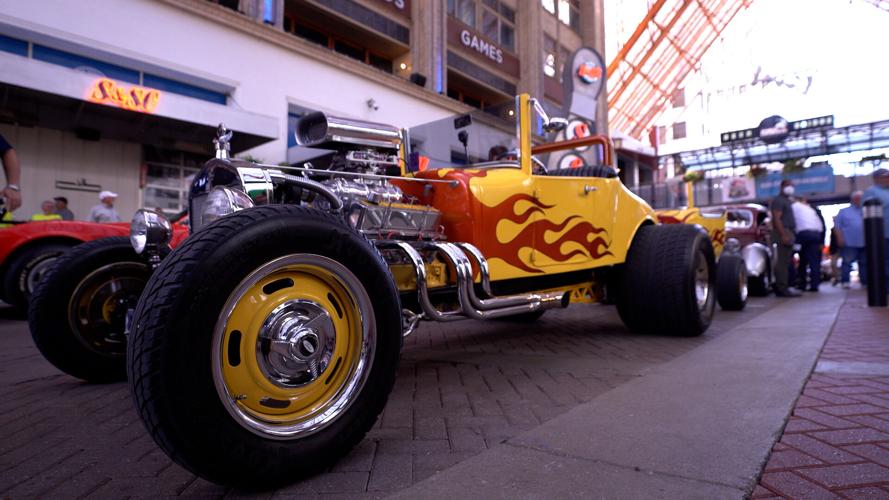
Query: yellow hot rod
{"type": "Point", "coordinates": [265, 346]}
{"type": "Point", "coordinates": [731, 271]}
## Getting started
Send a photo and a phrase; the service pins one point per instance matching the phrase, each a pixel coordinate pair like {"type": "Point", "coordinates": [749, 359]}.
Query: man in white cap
{"type": "Point", "coordinates": [104, 212]}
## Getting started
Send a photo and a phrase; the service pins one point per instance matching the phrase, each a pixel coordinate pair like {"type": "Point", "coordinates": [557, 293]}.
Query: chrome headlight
{"type": "Point", "coordinates": [222, 201]}
{"type": "Point", "coordinates": [149, 229]}
{"type": "Point", "coordinates": [732, 245]}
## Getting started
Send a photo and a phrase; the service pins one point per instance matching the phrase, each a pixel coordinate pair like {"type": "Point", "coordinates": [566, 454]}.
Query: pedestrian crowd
{"type": "Point", "coordinates": [798, 227]}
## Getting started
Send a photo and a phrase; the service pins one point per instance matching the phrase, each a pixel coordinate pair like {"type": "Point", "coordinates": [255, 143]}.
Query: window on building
{"type": "Point", "coordinates": [466, 98]}
{"type": "Point", "coordinates": [549, 56]}
{"type": "Point", "coordinates": [13, 45]}
{"type": "Point", "coordinates": [549, 5]}
{"type": "Point", "coordinates": [309, 33]}
{"type": "Point", "coordinates": [333, 42]}
{"type": "Point", "coordinates": [564, 58]}
{"type": "Point", "coordinates": [348, 49]}
{"type": "Point", "coordinates": [492, 18]}
{"type": "Point", "coordinates": [678, 98]}
{"type": "Point", "coordinates": [166, 184]}
{"type": "Point", "coordinates": [679, 130]}
{"type": "Point", "coordinates": [464, 10]}
{"type": "Point", "coordinates": [231, 4]}
{"type": "Point", "coordinates": [567, 11]}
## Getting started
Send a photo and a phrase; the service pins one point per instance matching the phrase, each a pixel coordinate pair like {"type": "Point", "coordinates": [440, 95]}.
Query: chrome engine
{"type": "Point", "coordinates": [373, 204]}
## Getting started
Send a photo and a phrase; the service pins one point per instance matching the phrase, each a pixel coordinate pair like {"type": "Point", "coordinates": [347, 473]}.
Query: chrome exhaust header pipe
{"type": "Point", "coordinates": [416, 259]}
{"type": "Point", "coordinates": [494, 307]}
{"type": "Point", "coordinates": [470, 305]}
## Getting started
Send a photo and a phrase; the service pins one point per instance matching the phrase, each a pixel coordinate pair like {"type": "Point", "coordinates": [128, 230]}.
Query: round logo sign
{"type": "Point", "coordinates": [571, 160]}
{"type": "Point", "coordinates": [773, 129]}
{"type": "Point", "coordinates": [589, 72]}
{"type": "Point", "coordinates": [578, 129]}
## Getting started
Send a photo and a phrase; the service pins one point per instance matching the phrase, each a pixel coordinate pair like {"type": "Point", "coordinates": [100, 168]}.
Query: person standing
{"type": "Point", "coordinates": [48, 212]}
{"type": "Point", "coordinates": [849, 230]}
{"type": "Point", "coordinates": [62, 208]}
{"type": "Point", "coordinates": [783, 227]}
{"type": "Point", "coordinates": [810, 236]}
{"type": "Point", "coordinates": [13, 191]}
{"type": "Point", "coordinates": [880, 191]}
{"type": "Point", "coordinates": [104, 211]}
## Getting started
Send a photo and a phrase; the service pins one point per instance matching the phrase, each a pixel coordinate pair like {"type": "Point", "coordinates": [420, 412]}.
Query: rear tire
{"type": "Point", "coordinates": [229, 402]}
{"type": "Point", "coordinates": [667, 285]}
{"type": "Point", "coordinates": [27, 269]}
{"type": "Point", "coordinates": [77, 314]}
{"type": "Point", "coordinates": [731, 283]}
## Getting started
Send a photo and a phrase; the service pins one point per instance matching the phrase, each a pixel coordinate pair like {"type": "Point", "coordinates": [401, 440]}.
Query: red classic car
{"type": "Point", "coordinates": [749, 225]}
{"type": "Point", "coordinates": [28, 249]}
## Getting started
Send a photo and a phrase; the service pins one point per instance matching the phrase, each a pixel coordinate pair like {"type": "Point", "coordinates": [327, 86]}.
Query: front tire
{"type": "Point", "coordinates": [77, 314]}
{"type": "Point", "coordinates": [731, 283]}
{"type": "Point", "coordinates": [265, 346]}
{"type": "Point", "coordinates": [667, 284]}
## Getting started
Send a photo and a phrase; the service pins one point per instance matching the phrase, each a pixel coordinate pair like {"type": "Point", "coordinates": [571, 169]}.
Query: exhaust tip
{"type": "Point", "coordinates": [566, 299]}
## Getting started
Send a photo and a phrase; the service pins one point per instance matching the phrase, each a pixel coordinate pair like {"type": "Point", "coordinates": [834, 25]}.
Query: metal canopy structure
{"type": "Point", "coordinates": [881, 4]}
{"type": "Point", "coordinates": [664, 48]}
{"type": "Point", "coordinates": [803, 144]}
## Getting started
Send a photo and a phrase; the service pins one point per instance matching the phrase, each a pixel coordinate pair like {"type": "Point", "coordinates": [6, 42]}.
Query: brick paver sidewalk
{"type": "Point", "coordinates": [836, 443]}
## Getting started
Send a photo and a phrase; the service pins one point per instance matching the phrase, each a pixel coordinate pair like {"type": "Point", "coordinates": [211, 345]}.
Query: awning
{"type": "Point", "coordinates": [35, 93]}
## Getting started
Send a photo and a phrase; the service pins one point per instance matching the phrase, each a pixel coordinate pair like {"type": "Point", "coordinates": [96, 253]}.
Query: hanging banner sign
{"type": "Point", "coordinates": [806, 181]}
{"type": "Point", "coordinates": [736, 189]}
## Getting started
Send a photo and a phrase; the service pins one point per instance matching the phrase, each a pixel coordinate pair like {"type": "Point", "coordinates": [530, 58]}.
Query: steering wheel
{"type": "Point", "coordinates": [537, 166]}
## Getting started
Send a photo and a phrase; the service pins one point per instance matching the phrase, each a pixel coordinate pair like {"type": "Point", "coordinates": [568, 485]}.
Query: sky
{"type": "Point", "coordinates": [842, 45]}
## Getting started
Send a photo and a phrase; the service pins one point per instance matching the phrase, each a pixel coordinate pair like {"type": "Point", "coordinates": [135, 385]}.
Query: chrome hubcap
{"type": "Point", "coordinates": [295, 343]}
{"type": "Point", "coordinates": [702, 281]}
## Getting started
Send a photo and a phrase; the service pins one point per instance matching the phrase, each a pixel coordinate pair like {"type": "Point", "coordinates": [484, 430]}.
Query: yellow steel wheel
{"type": "Point", "coordinates": [99, 303]}
{"type": "Point", "coordinates": [293, 346]}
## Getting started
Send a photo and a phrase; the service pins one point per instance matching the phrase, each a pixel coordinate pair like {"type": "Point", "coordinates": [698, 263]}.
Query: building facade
{"type": "Point", "coordinates": [126, 95]}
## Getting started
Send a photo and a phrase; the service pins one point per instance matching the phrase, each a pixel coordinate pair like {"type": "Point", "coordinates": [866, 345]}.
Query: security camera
{"type": "Point", "coordinates": [372, 104]}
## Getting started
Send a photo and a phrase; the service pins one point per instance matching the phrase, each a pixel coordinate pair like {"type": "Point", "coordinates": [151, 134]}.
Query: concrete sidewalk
{"type": "Point", "coordinates": [699, 426]}
{"type": "Point", "coordinates": [836, 443]}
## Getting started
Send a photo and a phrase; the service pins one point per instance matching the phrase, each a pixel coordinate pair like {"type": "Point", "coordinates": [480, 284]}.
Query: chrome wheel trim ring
{"type": "Point", "coordinates": [347, 393]}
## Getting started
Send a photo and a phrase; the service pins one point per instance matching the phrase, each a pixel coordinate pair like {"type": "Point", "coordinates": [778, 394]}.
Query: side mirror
{"type": "Point", "coordinates": [550, 124]}
{"type": "Point", "coordinates": [555, 124]}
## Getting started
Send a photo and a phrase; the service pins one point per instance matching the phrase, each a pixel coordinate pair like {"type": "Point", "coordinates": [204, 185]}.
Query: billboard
{"type": "Point", "coordinates": [806, 181]}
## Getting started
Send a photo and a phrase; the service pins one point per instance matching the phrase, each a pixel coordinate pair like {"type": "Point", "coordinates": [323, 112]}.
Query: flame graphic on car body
{"type": "Point", "coordinates": [590, 238]}
{"type": "Point", "coordinates": [718, 237]}
{"type": "Point", "coordinates": [672, 217]}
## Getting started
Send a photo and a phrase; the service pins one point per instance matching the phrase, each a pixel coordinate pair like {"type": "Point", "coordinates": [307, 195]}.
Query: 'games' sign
{"type": "Point", "coordinates": [490, 50]}
{"type": "Point", "coordinates": [480, 48]}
